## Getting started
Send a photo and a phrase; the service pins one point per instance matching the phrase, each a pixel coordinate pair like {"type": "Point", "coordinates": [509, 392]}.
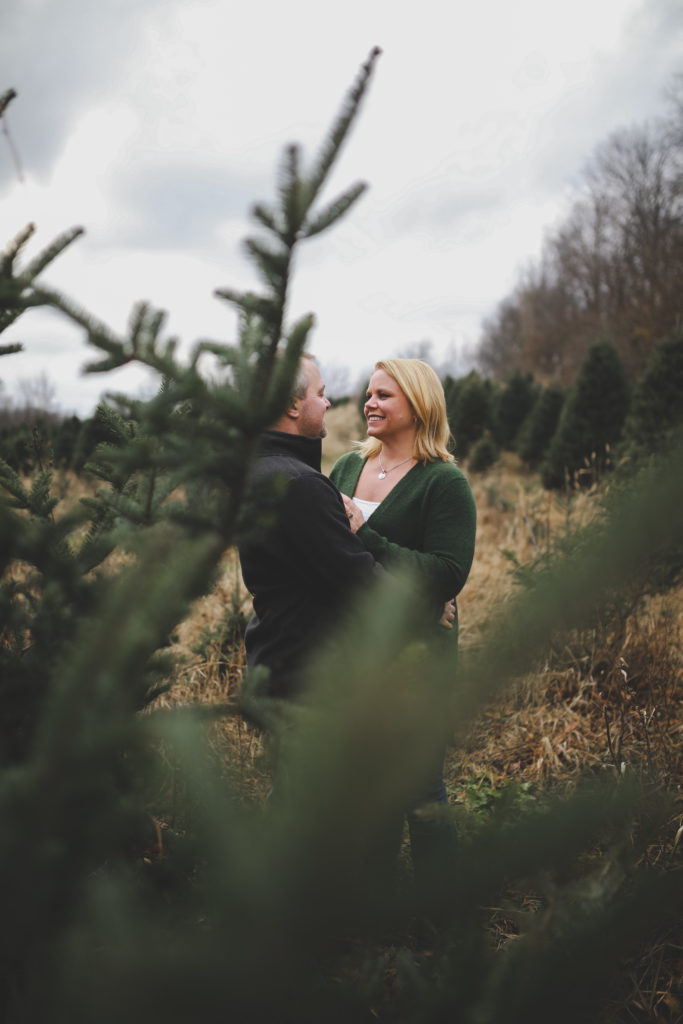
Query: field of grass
{"type": "Point", "coordinates": [608, 701]}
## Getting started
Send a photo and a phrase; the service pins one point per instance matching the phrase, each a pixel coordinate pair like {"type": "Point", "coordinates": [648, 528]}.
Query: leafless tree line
{"type": "Point", "coordinates": [33, 398]}
{"type": "Point", "coordinates": [613, 269]}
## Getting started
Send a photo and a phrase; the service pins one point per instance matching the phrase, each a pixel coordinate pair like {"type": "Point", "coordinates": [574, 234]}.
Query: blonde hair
{"type": "Point", "coordinates": [424, 391]}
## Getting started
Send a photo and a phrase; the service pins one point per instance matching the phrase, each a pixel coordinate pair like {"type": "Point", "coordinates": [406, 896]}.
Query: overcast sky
{"type": "Point", "coordinates": [156, 123]}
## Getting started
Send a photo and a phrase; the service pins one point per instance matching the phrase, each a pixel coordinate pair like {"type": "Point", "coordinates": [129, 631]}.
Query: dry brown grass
{"type": "Point", "coordinates": [611, 701]}
{"type": "Point", "coordinates": [616, 703]}
{"type": "Point", "coordinates": [608, 703]}
{"type": "Point", "coordinates": [206, 674]}
{"type": "Point", "coordinates": [513, 514]}
{"type": "Point", "coordinates": [344, 426]}
{"type": "Point", "coordinates": [209, 672]}
{"type": "Point", "coordinates": [607, 699]}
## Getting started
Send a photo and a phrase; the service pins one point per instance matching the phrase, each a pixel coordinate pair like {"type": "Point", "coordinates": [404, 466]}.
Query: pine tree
{"type": "Point", "coordinates": [17, 290]}
{"type": "Point", "coordinates": [81, 650]}
{"type": "Point", "coordinates": [484, 454]}
{"type": "Point", "coordinates": [538, 429]}
{"type": "Point", "coordinates": [470, 410]}
{"type": "Point", "coordinates": [591, 421]}
{"type": "Point", "coordinates": [512, 405]}
{"type": "Point", "coordinates": [656, 411]}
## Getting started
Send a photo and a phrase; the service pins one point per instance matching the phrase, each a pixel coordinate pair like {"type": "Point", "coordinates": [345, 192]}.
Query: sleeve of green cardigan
{"type": "Point", "coordinates": [449, 539]}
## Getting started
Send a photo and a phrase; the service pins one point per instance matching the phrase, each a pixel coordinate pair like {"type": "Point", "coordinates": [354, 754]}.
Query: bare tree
{"type": "Point", "coordinates": [337, 380]}
{"type": "Point", "coordinates": [502, 344]}
{"type": "Point", "coordinates": [39, 394]}
{"type": "Point", "coordinates": [638, 176]}
{"type": "Point", "coordinates": [418, 350]}
{"type": "Point", "coordinates": [613, 269]}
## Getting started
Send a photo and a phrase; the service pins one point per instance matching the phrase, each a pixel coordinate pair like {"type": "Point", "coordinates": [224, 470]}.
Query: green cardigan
{"type": "Point", "coordinates": [427, 523]}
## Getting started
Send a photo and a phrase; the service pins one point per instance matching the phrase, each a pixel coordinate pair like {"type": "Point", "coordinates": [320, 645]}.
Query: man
{"type": "Point", "coordinates": [304, 565]}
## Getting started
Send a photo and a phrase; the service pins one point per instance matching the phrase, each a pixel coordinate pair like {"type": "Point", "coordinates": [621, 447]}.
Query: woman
{"type": "Point", "coordinates": [413, 508]}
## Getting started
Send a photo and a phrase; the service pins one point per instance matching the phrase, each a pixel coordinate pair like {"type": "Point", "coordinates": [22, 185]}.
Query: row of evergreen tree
{"type": "Point", "coordinates": [571, 436]}
{"type": "Point", "coordinates": [37, 440]}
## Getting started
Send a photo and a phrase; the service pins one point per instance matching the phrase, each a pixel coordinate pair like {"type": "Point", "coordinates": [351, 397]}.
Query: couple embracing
{"type": "Point", "coordinates": [396, 502]}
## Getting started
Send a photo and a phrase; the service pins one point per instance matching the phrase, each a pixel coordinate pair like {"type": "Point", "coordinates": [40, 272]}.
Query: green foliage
{"type": "Point", "coordinates": [512, 405]}
{"type": "Point", "coordinates": [484, 799]}
{"type": "Point", "coordinates": [539, 427]}
{"type": "Point", "coordinates": [656, 571]}
{"type": "Point", "coordinates": [41, 441]}
{"type": "Point", "coordinates": [591, 421]}
{"type": "Point", "coordinates": [641, 521]}
{"type": "Point", "coordinates": [469, 401]}
{"type": "Point", "coordinates": [665, 564]}
{"type": "Point", "coordinates": [17, 289]}
{"type": "Point", "coordinates": [222, 641]}
{"type": "Point", "coordinates": [656, 411]}
{"type": "Point", "coordinates": [80, 649]}
{"type": "Point", "coordinates": [46, 597]}
{"type": "Point", "coordinates": [484, 454]}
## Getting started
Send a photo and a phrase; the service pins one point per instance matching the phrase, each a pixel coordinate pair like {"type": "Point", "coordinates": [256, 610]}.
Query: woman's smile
{"type": "Point", "coordinates": [387, 410]}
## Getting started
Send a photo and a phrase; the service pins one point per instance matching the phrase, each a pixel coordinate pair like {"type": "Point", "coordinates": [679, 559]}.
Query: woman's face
{"type": "Point", "coordinates": [387, 410]}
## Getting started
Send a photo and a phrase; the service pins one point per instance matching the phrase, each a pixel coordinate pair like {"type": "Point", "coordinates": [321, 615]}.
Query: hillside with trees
{"type": "Point", "coordinates": [611, 269]}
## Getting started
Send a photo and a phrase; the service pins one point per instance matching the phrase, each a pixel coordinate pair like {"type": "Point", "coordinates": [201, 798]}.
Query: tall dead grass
{"type": "Point", "coordinates": [608, 701]}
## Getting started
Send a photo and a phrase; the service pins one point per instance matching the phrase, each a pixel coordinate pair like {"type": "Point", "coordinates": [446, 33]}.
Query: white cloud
{"type": "Point", "coordinates": [156, 124]}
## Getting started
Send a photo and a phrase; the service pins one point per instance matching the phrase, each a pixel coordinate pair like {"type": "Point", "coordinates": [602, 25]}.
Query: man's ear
{"type": "Point", "coordinates": [293, 410]}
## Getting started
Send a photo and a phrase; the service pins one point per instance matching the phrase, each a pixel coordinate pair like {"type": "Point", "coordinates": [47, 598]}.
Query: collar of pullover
{"type": "Point", "coordinates": [307, 449]}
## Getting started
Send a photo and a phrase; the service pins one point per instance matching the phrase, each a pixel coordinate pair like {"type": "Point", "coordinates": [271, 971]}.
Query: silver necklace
{"type": "Point", "coordinates": [383, 472]}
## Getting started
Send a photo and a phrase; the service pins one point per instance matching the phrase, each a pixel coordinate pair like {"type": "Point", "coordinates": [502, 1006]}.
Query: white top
{"type": "Point", "coordinates": [366, 507]}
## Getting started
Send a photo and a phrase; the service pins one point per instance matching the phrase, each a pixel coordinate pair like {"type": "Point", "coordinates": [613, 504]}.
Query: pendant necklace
{"type": "Point", "coordinates": [383, 472]}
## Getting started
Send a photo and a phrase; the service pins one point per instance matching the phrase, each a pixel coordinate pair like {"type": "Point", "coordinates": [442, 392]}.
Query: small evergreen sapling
{"type": "Point", "coordinates": [540, 425]}
{"type": "Point", "coordinates": [591, 421]}
{"type": "Point", "coordinates": [485, 454]}
{"type": "Point", "coordinates": [656, 412]}
{"type": "Point", "coordinates": [512, 405]}
{"type": "Point", "coordinates": [470, 410]}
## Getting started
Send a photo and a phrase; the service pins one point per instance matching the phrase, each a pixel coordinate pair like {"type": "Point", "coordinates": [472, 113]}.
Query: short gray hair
{"type": "Point", "coordinates": [300, 383]}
